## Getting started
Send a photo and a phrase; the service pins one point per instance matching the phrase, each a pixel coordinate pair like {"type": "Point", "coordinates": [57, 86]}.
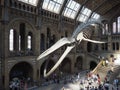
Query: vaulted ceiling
{"type": "Point", "coordinates": [79, 9]}
{"type": "Point", "coordinates": [102, 7]}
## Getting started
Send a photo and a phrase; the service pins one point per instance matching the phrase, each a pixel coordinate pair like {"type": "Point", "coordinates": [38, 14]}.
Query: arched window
{"type": "Point", "coordinates": [48, 37]}
{"type": "Point", "coordinates": [106, 28]}
{"type": "Point", "coordinates": [106, 46]}
{"type": "Point", "coordinates": [114, 28]}
{"type": "Point", "coordinates": [118, 24]}
{"type": "Point", "coordinates": [102, 46]}
{"type": "Point", "coordinates": [22, 29]}
{"type": "Point", "coordinates": [42, 42]}
{"type": "Point", "coordinates": [79, 63]}
{"type": "Point", "coordinates": [103, 30]}
{"type": "Point", "coordinates": [11, 40]}
{"type": "Point", "coordinates": [66, 34]}
{"type": "Point", "coordinates": [29, 42]}
{"type": "Point", "coordinates": [89, 46]}
{"type": "Point", "coordinates": [117, 45]}
{"type": "Point", "coordinates": [113, 46]}
{"type": "Point", "coordinates": [19, 42]}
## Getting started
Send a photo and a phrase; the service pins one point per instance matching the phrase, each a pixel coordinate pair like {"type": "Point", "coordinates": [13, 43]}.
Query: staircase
{"type": "Point", "coordinates": [103, 71]}
{"type": "Point", "coordinates": [116, 71]}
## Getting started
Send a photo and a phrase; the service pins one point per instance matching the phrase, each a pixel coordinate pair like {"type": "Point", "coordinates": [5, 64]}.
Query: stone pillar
{"type": "Point", "coordinates": [37, 42]}
{"type": "Point", "coordinates": [109, 43]}
{"type": "Point", "coordinates": [4, 51]}
{"type": "Point", "coordinates": [73, 60]}
{"type": "Point", "coordinates": [85, 62]}
{"type": "Point", "coordinates": [34, 72]}
{"type": "Point", "coordinates": [1, 84]}
{"type": "Point", "coordinates": [6, 78]}
{"type": "Point", "coordinates": [17, 41]}
{"type": "Point", "coordinates": [0, 75]}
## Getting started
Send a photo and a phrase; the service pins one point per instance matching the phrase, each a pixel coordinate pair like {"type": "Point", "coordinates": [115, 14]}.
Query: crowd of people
{"type": "Point", "coordinates": [86, 80]}
{"type": "Point", "coordinates": [20, 83]}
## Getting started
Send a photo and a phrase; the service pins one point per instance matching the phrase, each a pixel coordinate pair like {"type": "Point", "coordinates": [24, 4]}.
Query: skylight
{"type": "Point", "coordinates": [95, 16]}
{"type": "Point", "coordinates": [84, 14]}
{"type": "Point", "coordinates": [32, 2]}
{"type": "Point", "coordinates": [71, 9]}
{"type": "Point", "coordinates": [53, 5]}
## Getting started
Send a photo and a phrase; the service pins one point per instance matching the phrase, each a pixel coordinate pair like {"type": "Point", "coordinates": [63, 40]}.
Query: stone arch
{"type": "Point", "coordinates": [93, 64]}
{"type": "Point", "coordinates": [79, 63]}
{"type": "Point", "coordinates": [65, 66]}
{"type": "Point", "coordinates": [21, 70]}
{"type": "Point", "coordinates": [12, 23]}
{"type": "Point", "coordinates": [29, 27]}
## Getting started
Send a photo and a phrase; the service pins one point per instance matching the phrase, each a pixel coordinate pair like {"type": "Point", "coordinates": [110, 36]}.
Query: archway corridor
{"type": "Point", "coordinates": [21, 71]}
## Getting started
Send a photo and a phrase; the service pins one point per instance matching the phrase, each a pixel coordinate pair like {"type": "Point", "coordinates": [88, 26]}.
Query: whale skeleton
{"type": "Point", "coordinates": [77, 37]}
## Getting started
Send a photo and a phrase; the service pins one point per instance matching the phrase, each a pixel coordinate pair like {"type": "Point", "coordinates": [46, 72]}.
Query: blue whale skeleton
{"type": "Point", "coordinates": [77, 37]}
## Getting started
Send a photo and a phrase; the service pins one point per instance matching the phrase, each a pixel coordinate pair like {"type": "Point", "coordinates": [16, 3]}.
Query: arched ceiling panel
{"type": "Point", "coordinates": [106, 7]}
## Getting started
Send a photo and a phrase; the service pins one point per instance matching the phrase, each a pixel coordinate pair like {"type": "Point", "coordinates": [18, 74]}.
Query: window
{"type": "Point", "coordinates": [95, 16]}
{"type": "Point", "coordinates": [106, 46]}
{"type": "Point", "coordinates": [117, 45]}
{"type": "Point", "coordinates": [71, 9]}
{"type": "Point", "coordinates": [52, 5]}
{"type": "Point", "coordinates": [103, 30]}
{"type": "Point", "coordinates": [106, 29]}
{"type": "Point", "coordinates": [42, 42]}
{"type": "Point", "coordinates": [113, 46]}
{"type": "Point", "coordinates": [32, 2]}
{"type": "Point", "coordinates": [118, 24]}
{"type": "Point", "coordinates": [11, 40]}
{"type": "Point", "coordinates": [114, 28]}
{"type": "Point", "coordinates": [29, 42]}
{"type": "Point", "coordinates": [102, 46]}
{"type": "Point", "coordinates": [84, 14]}
{"type": "Point", "coordinates": [19, 43]}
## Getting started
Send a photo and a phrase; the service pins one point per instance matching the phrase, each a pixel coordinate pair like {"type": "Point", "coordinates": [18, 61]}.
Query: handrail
{"type": "Point", "coordinates": [96, 67]}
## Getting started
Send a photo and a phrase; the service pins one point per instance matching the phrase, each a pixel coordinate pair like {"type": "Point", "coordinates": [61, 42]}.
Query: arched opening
{"type": "Point", "coordinates": [11, 40]}
{"type": "Point", "coordinates": [49, 63]}
{"type": "Point", "coordinates": [42, 42]}
{"type": "Point", "coordinates": [22, 70]}
{"type": "Point", "coordinates": [29, 41]}
{"type": "Point", "coordinates": [89, 46]}
{"type": "Point", "coordinates": [79, 63]}
{"type": "Point", "coordinates": [65, 66]}
{"type": "Point", "coordinates": [29, 44]}
{"type": "Point", "coordinates": [22, 30]}
{"type": "Point", "coordinates": [48, 37]}
{"type": "Point", "coordinates": [93, 64]}
{"type": "Point", "coordinates": [52, 40]}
